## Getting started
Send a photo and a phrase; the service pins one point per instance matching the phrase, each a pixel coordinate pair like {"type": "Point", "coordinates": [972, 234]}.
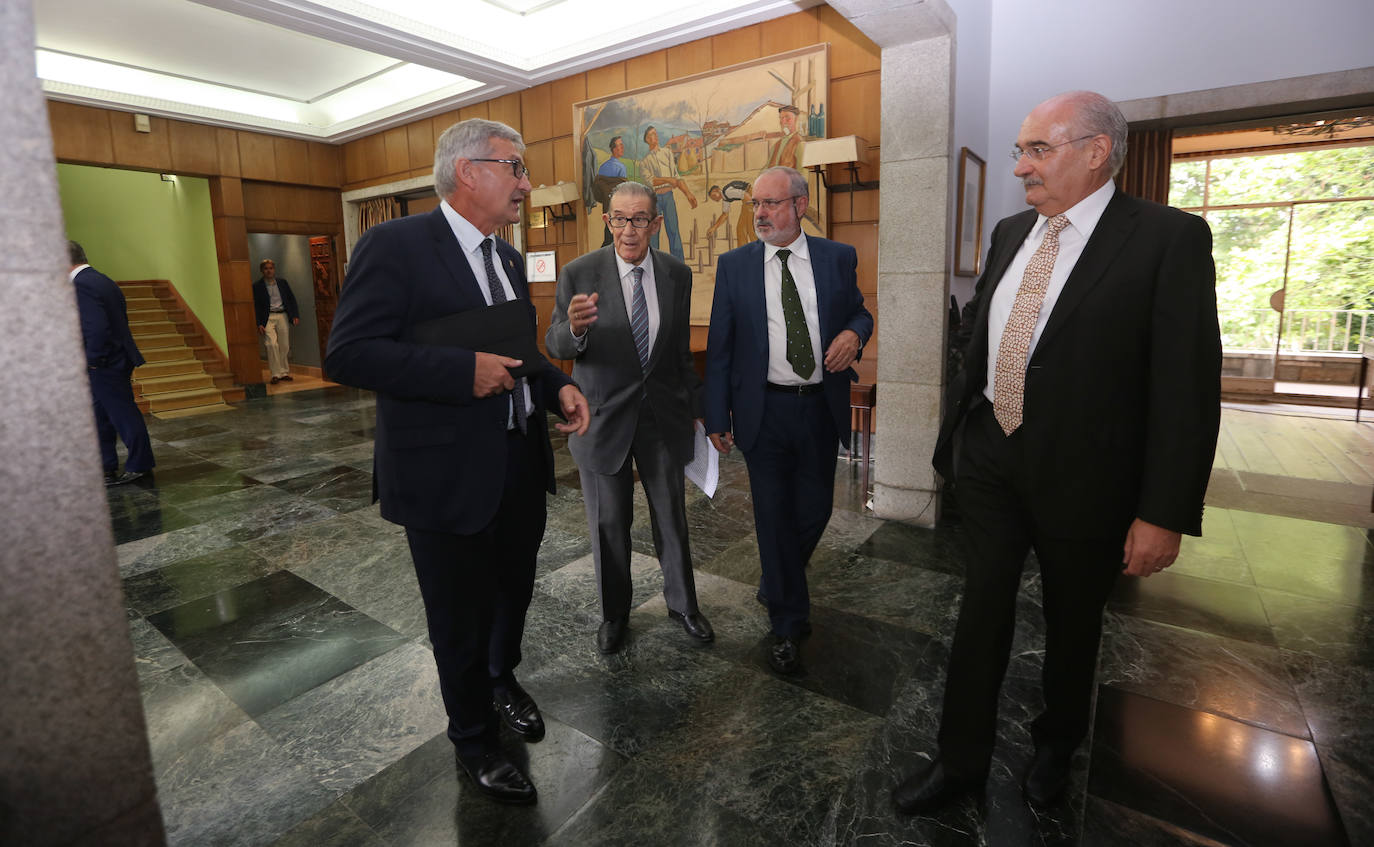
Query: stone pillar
{"type": "Point", "coordinates": [74, 761]}
{"type": "Point", "coordinates": [235, 279]}
{"type": "Point", "coordinates": [914, 243]}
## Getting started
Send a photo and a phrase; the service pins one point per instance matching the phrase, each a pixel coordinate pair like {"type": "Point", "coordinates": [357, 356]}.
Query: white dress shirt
{"type": "Point", "coordinates": [799, 263]}
{"type": "Point", "coordinates": [627, 289]}
{"type": "Point", "coordinates": [470, 240]}
{"type": "Point", "coordinates": [1083, 218]}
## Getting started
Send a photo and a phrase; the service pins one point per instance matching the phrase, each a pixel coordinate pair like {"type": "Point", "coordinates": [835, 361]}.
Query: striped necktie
{"type": "Point", "coordinates": [639, 318]}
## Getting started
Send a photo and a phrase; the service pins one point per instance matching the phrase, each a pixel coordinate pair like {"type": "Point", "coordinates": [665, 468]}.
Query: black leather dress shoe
{"type": "Point", "coordinates": [695, 625]}
{"type": "Point", "coordinates": [611, 635]}
{"type": "Point", "coordinates": [518, 711]}
{"type": "Point", "coordinates": [120, 479]}
{"type": "Point", "coordinates": [931, 789]}
{"type": "Point", "coordinates": [498, 778]}
{"type": "Point", "coordinates": [784, 656]}
{"type": "Point", "coordinates": [1047, 777]}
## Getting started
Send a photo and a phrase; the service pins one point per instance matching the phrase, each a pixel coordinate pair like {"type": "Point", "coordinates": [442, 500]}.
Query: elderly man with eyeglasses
{"type": "Point", "coordinates": [1082, 427]}
{"type": "Point", "coordinates": [463, 458]}
{"type": "Point", "coordinates": [622, 314]}
{"type": "Point", "coordinates": [787, 324]}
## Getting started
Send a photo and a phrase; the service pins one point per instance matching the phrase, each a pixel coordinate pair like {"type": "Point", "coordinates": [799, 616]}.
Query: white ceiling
{"type": "Point", "coordinates": [336, 69]}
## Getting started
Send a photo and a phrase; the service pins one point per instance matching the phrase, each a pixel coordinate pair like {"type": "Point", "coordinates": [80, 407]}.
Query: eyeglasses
{"type": "Point", "coordinates": [1039, 151]}
{"type": "Point", "coordinates": [619, 221]}
{"type": "Point", "coordinates": [517, 167]}
{"type": "Point", "coordinates": [773, 204]}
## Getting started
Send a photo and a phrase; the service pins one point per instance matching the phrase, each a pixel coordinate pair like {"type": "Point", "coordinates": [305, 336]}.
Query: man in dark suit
{"type": "Point", "coordinates": [623, 314]}
{"type": "Point", "coordinates": [111, 357]}
{"type": "Point", "coordinates": [462, 448]}
{"type": "Point", "coordinates": [1083, 426]}
{"type": "Point", "coordinates": [778, 303]}
{"type": "Point", "coordinates": [274, 305]}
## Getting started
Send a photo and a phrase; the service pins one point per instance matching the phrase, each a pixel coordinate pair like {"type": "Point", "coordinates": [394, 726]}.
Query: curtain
{"type": "Point", "coordinates": [374, 211]}
{"type": "Point", "coordinates": [1145, 173]}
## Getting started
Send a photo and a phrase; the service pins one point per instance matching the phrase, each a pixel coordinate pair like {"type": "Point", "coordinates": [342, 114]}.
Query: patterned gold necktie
{"type": "Point", "coordinates": [1009, 381]}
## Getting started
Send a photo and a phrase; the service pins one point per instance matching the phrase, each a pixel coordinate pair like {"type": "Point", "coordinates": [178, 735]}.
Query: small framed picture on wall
{"type": "Point", "coordinates": [968, 222]}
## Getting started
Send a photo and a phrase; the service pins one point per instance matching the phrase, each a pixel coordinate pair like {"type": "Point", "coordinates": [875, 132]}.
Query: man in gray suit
{"type": "Point", "coordinates": [635, 365]}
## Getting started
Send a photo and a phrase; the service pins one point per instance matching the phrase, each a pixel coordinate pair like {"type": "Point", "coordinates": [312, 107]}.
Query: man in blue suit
{"type": "Point", "coordinates": [462, 448]}
{"type": "Point", "coordinates": [778, 303]}
{"type": "Point", "coordinates": [111, 357]}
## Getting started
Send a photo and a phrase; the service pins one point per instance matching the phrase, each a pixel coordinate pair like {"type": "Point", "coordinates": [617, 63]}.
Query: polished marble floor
{"type": "Point", "coordinates": [291, 697]}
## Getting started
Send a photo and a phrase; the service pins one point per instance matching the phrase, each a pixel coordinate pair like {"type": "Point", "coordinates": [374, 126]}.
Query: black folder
{"type": "Point", "coordinates": [504, 329]}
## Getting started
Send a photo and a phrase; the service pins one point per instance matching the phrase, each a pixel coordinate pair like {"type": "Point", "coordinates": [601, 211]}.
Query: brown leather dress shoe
{"type": "Point", "coordinates": [499, 778]}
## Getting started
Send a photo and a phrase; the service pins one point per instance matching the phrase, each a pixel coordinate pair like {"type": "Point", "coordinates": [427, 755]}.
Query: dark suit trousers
{"type": "Point", "coordinates": [477, 589]}
{"type": "Point", "coordinates": [116, 412]}
{"type": "Point", "coordinates": [792, 483]}
{"type": "Point", "coordinates": [1077, 575]}
{"type": "Point", "coordinates": [609, 499]}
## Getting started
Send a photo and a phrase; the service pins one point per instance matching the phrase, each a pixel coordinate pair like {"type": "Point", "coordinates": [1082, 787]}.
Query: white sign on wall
{"type": "Point", "coordinates": [541, 267]}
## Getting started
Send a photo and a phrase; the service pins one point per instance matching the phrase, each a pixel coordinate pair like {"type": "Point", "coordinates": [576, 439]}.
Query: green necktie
{"type": "Point", "coordinates": [799, 352]}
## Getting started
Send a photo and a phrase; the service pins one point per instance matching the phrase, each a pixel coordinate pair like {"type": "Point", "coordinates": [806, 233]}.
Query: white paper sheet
{"type": "Point", "coordinates": [704, 470]}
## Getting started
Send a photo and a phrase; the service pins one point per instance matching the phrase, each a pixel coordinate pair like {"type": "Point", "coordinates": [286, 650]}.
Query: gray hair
{"type": "Point", "coordinates": [469, 139]}
{"type": "Point", "coordinates": [1096, 115]}
{"type": "Point", "coordinates": [796, 183]}
{"type": "Point", "coordinates": [635, 189]}
{"type": "Point", "coordinates": [76, 253]}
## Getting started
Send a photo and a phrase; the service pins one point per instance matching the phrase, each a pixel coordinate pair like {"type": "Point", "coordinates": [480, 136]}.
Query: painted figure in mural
{"type": "Point", "coordinates": [275, 305]}
{"type": "Point", "coordinates": [611, 173]}
{"type": "Point", "coordinates": [787, 151]}
{"type": "Point", "coordinates": [732, 191]}
{"type": "Point", "coordinates": [623, 315]}
{"type": "Point", "coordinates": [658, 169]}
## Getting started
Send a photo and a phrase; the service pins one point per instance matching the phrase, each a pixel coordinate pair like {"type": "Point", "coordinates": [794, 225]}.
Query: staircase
{"type": "Point", "coordinates": [184, 374]}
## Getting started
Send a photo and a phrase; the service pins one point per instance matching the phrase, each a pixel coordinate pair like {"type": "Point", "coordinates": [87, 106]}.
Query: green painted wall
{"type": "Point", "coordinates": [135, 226]}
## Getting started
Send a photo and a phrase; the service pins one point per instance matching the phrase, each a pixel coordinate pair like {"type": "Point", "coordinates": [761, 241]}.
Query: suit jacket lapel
{"type": "Point", "coordinates": [452, 258]}
{"type": "Point", "coordinates": [1111, 232]}
{"type": "Point", "coordinates": [1004, 251]}
{"type": "Point", "coordinates": [611, 305]}
{"type": "Point", "coordinates": [820, 275]}
{"type": "Point", "coordinates": [666, 289]}
{"type": "Point", "coordinates": [754, 299]}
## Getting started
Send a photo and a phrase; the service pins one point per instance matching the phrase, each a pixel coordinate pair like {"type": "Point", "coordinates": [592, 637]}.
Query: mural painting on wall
{"type": "Point", "coordinates": [699, 142]}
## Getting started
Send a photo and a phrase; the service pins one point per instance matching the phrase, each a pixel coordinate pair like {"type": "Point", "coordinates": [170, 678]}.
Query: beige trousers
{"type": "Point", "coordinates": [278, 341]}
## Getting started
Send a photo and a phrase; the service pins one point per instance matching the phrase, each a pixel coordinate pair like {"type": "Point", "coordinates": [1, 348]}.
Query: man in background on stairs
{"type": "Point", "coordinates": [275, 305]}
{"type": "Point", "coordinates": [111, 357]}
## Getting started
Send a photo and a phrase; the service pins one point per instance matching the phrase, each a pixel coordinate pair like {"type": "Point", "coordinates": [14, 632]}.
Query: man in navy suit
{"type": "Point", "coordinates": [1082, 426]}
{"type": "Point", "coordinates": [274, 305]}
{"type": "Point", "coordinates": [111, 357]}
{"type": "Point", "coordinates": [779, 302]}
{"type": "Point", "coordinates": [462, 448]}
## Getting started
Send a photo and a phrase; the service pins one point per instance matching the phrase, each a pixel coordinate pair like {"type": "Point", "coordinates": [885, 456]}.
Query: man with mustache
{"type": "Point", "coordinates": [787, 323]}
{"type": "Point", "coordinates": [1083, 427]}
{"type": "Point", "coordinates": [462, 447]}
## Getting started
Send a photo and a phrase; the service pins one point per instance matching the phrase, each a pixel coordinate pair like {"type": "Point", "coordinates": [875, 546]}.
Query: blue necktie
{"type": "Point", "coordinates": [498, 295]}
{"type": "Point", "coordinates": [639, 319]}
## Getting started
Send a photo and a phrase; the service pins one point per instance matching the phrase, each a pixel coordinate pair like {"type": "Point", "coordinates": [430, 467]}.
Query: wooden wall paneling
{"type": "Point", "coordinates": [226, 197]}
{"type": "Point", "coordinates": [476, 110]}
{"type": "Point", "coordinates": [539, 159]}
{"type": "Point", "coordinates": [606, 80]}
{"type": "Point", "coordinates": [293, 203]}
{"type": "Point", "coordinates": [397, 147]}
{"type": "Point", "coordinates": [563, 156]}
{"type": "Point", "coordinates": [863, 237]}
{"type": "Point", "coordinates": [850, 50]}
{"type": "Point", "coordinates": [325, 162]}
{"type": "Point", "coordinates": [855, 107]}
{"type": "Point", "coordinates": [326, 206]}
{"type": "Point", "coordinates": [789, 33]}
{"type": "Point", "coordinates": [227, 142]}
{"type": "Point", "coordinates": [737, 45]}
{"type": "Point", "coordinates": [259, 201]}
{"type": "Point", "coordinates": [420, 140]}
{"type": "Point", "coordinates": [439, 123]}
{"type": "Point", "coordinates": [535, 231]}
{"type": "Point", "coordinates": [194, 149]}
{"type": "Point", "coordinates": [293, 162]}
{"type": "Point", "coordinates": [354, 169]}
{"type": "Point", "coordinates": [536, 113]}
{"type": "Point", "coordinates": [235, 240]}
{"type": "Point", "coordinates": [694, 57]}
{"type": "Point", "coordinates": [566, 253]}
{"type": "Point", "coordinates": [257, 156]}
{"type": "Point", "coordinates": [80, 133]}
{"type": "Point", "coordinates": [864, 203]}
{"type": "Point", "coordinates": [374, 159]}
{"type": "Point", "coordinates": [564, 93]}
{"type": "Point", "coordinates": [646, 70]}
{"type": "Point", "coordinates": [147, 150]}
{"type": "Point", "coordinates": [506, 109]}
{"type": "Point", "coordinates": [421, 205]}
